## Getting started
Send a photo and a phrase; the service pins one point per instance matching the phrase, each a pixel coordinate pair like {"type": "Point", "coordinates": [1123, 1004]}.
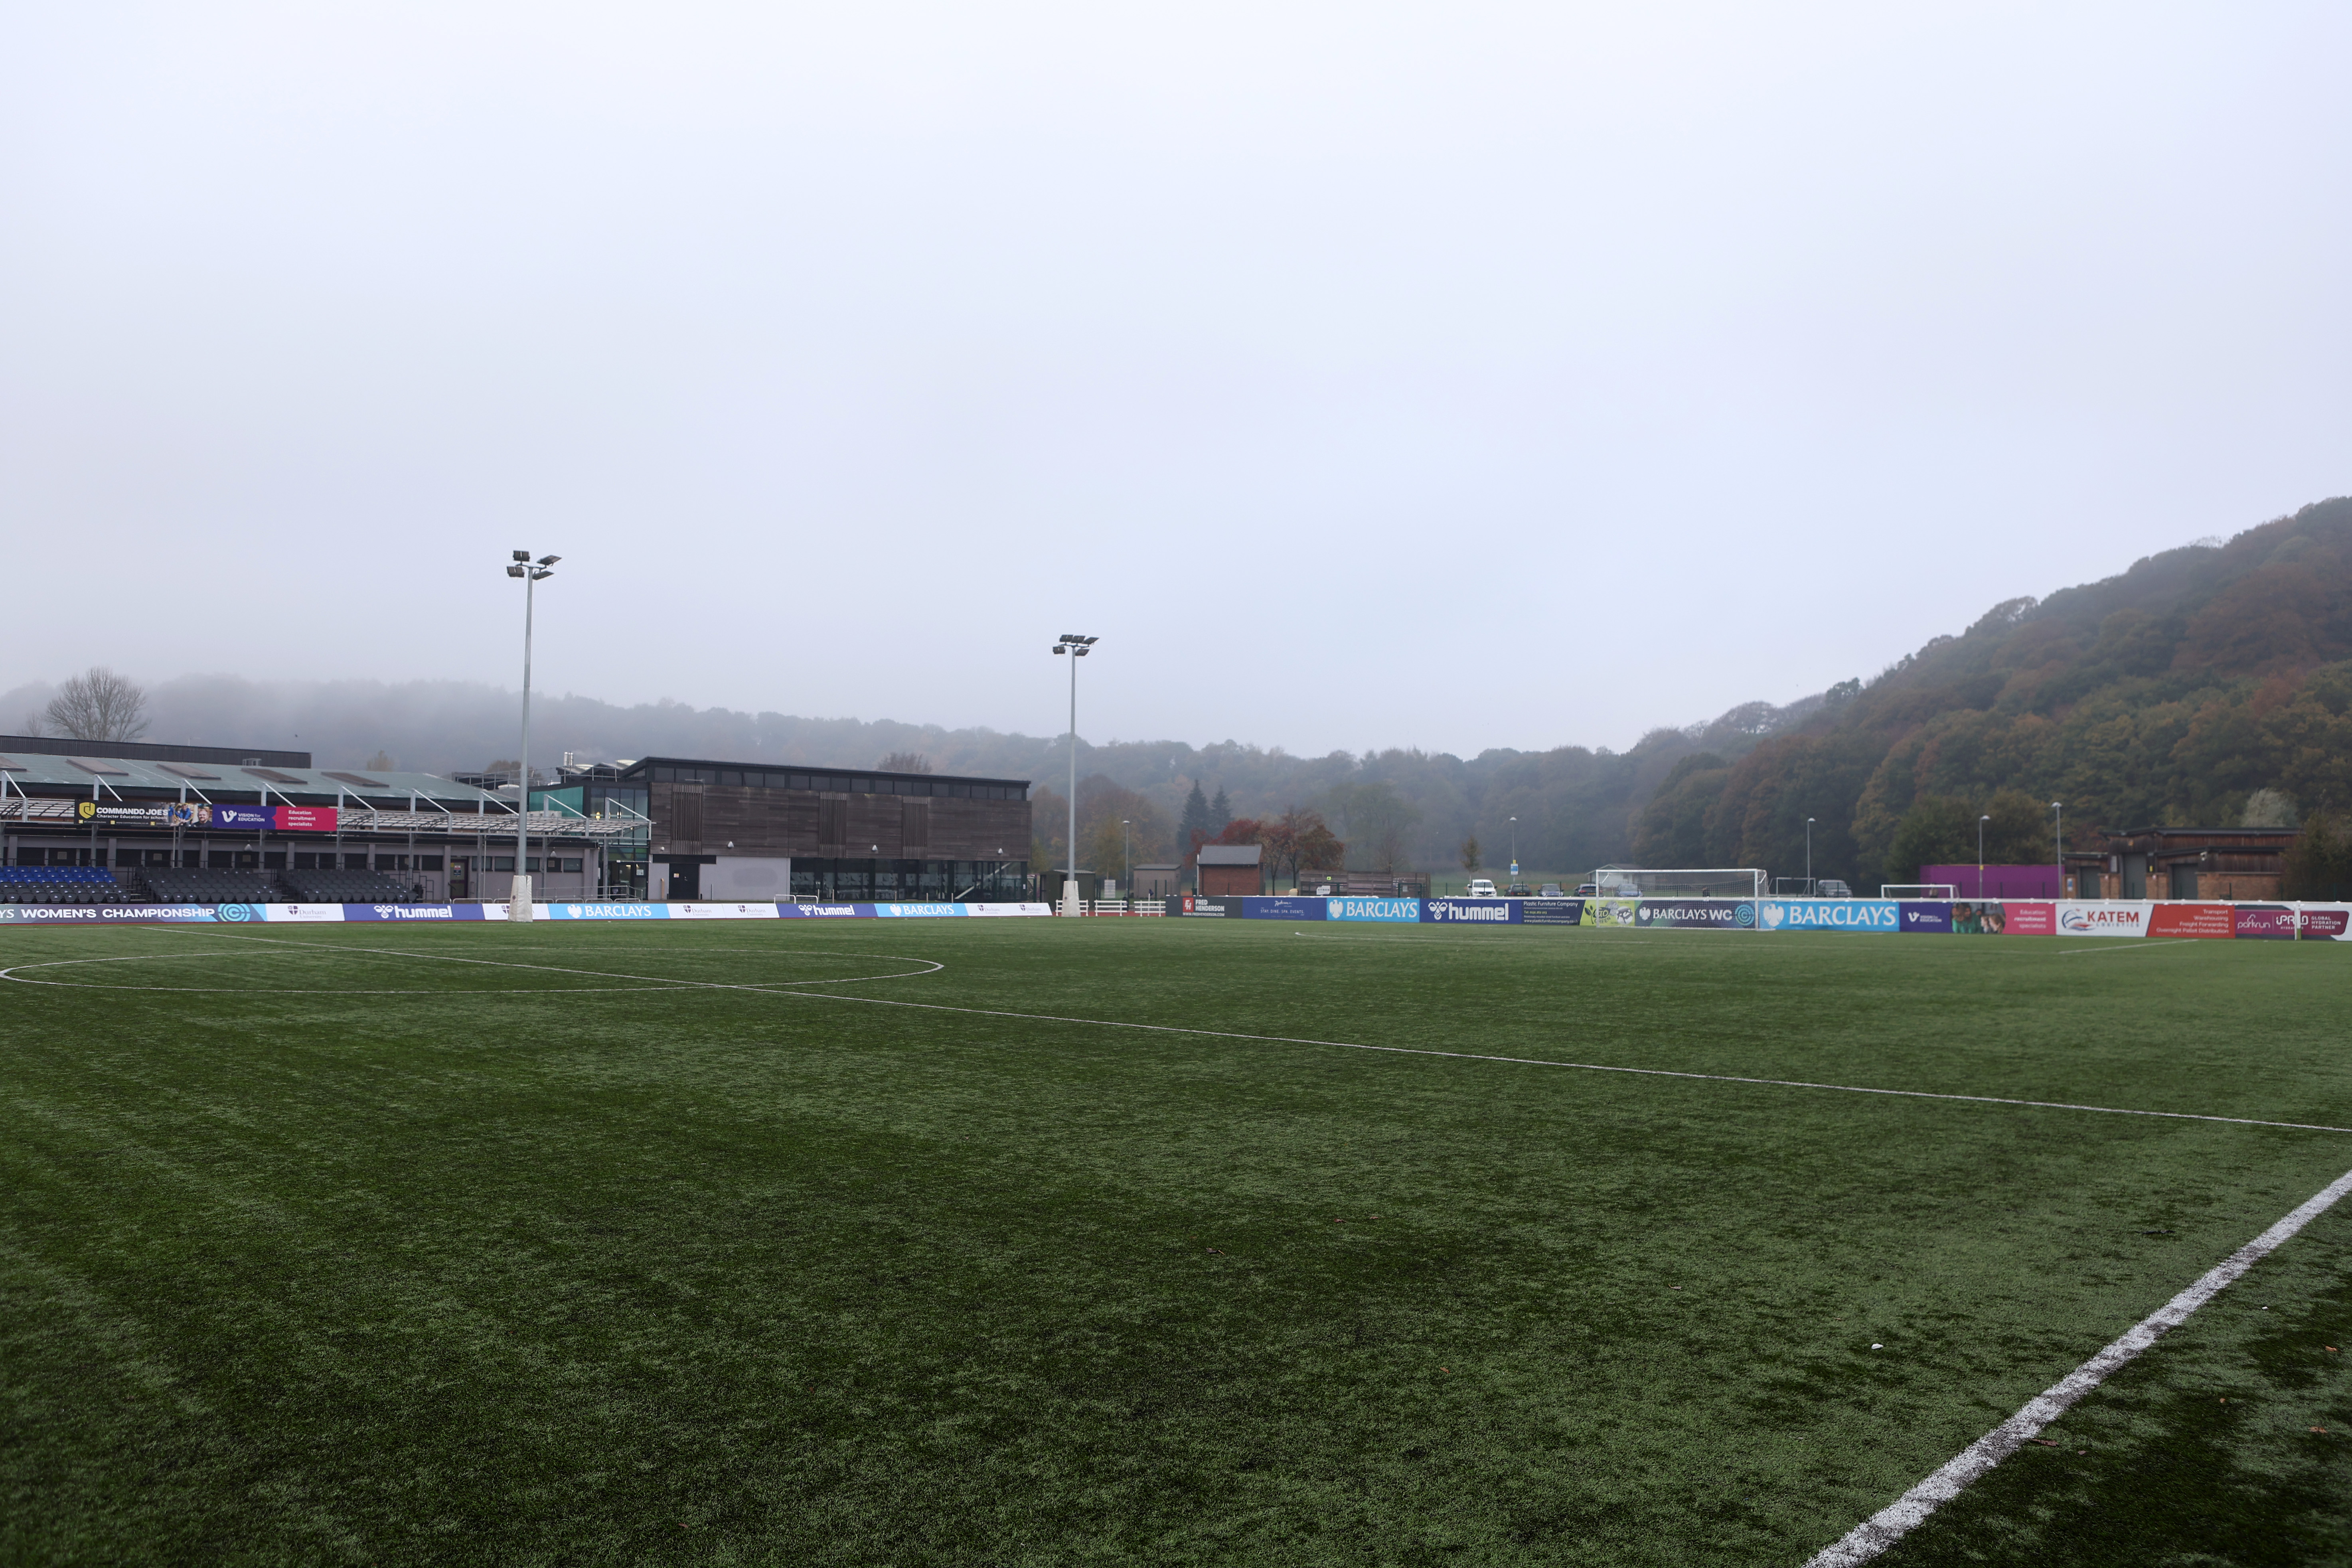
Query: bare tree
{"type": "Point", "coordinates": [380, 762]}
{"type": "Point", "coordinates": [905, 762]}
{"type": "Point", "coordinates": [33, 724]}
{"type": "Point", "coordinates": [100, 705]}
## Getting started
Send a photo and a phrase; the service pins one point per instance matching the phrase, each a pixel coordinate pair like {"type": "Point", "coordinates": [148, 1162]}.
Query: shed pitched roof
{"type": "Point", "coordinates": [1231, 854]}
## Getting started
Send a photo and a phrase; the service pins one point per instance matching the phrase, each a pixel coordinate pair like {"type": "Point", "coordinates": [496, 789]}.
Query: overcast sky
{"type": "Point", "coordinates": [1452, 375]}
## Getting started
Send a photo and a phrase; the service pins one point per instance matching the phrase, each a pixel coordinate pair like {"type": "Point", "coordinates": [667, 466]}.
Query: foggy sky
{"type": "Point", "coordinates": [1457, 376]}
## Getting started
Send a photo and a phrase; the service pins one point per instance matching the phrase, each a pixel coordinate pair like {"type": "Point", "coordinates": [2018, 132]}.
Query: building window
{"type": "Point", "coordinates": [428, 862]}
{"type": "Point", "coordinates": [571, 864]}
{"type": "Point", "coordinates": [501, 862]}
{"type": "Point", "coordinates": [275, 861]}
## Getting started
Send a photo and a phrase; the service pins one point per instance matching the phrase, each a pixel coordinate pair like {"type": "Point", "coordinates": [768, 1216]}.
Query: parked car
{"type": "Point", "coordinates": [1552, 891]}
{"type": "Point", "coordinates": [1480, 888]}
{"type": "Point", "coordinates": [1831, 887]}
{"type": "Point", "coordinates": [1588, 890]}
{"type": "Point", "coordinates": [1518, 890]}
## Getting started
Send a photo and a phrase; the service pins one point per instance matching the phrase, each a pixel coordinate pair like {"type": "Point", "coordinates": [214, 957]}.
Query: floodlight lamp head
{"type": "Point", "coordinates": [514, 571]}
{"type": "Point", "coordinates": [1080, 652]}
{"type": "Point", "coordinates": [523, 554]}
{"type": "Point", "coordinates": [549, 560]}
{"type": "Point", "coordinates": [1057, 648]}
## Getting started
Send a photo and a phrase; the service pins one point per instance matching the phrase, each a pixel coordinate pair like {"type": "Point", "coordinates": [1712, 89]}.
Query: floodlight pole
{"type": "Point", "coordinates": [1126, 860]}
{"type": "Point", "coordinates": [1980, 822]}
{"type": "Point", "coordinates": [1076, 646]}
{"type": "Point", "coordinates": [1808, 856]}
{"type": "Point", "coordinates": [1514, 849]}
{"type": "Point", "coordinates": [519, 900]}
{"type": "Point", "coordinates": [2058, 829]}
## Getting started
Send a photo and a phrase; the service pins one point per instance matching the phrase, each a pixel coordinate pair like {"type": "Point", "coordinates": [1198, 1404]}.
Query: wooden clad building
{"type": "Point", "coordinates": [849, 834]}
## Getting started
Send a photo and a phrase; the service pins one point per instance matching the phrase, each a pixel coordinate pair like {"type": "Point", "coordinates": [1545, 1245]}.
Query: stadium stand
{"type": "Point", "coordinates": [60, 885]}
{"type": "Point", "coordinates": [196, 887]}
{"type": "Point", "coordinates": [347, 888]}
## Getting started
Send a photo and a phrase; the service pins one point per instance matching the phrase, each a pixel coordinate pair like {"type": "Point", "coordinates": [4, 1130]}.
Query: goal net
{"type": "Point", "coordinates": [1917, 891]}
{"type": "Point", "coordinates": [1703, 882]}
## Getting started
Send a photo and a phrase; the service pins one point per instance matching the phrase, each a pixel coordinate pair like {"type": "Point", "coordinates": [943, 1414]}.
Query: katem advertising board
{"type": "Point", "coordinates": [2080, 917]}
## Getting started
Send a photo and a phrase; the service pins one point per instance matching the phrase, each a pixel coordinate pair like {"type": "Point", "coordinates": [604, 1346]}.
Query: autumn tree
{"type": "Point", "coordinates": [1470, 854]}
{"type": "Point", "coordinates": [905, 762]}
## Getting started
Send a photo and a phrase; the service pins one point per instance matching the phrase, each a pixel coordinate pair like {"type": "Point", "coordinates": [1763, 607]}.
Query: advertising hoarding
{"type": "Point", "coordinates": [103, 915]}
{"type": "Point", "coordinates": [1268, 908]}
{"type": "Point", "coordinates": [1696, 914]}
{"type": "Point", "coordinates": [2328, 922]}
{"type": "Point", "coordinates": [2263, 922]}
{"type": "Point", "coordinates": [2194, 920]}
{"type": "Point", "coordinates": [441, 912]}
{"type": "Point", "coordinates": [1551, 911]}
{"type": "Point", "coordinates": [1205, 907]}
{"type": "Point", "coordinates": [1470, 911]}
{"type": "Point", "coordinates": [2081, 918]}
{"type": "Point", "coordinates": [1372, 909]}
{"type": "Point", "coordinates": [1928, 915]}
{"type": "Point", "coordinates": [1609, 912]}
{"type": "Point", "coordinates": [1831, 914]}
{"type": "Point", "coordinates": [276, 818]}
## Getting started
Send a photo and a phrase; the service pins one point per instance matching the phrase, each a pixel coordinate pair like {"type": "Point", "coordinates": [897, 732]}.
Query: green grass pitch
{"type": "Point", "coordinates": [590, 1244]}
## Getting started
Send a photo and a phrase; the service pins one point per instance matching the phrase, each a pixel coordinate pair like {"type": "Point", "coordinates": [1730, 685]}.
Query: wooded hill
{"type": "Point", "coordinates": [2178, 693]}
{"type": "Point", "coordinates": [2200, 683]}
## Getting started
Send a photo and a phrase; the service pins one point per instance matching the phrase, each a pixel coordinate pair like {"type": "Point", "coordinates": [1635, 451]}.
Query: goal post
{"type": "Point", "coordinates": [1670, 882]}
{"type": "Point", "coordinates": [1930, 890]}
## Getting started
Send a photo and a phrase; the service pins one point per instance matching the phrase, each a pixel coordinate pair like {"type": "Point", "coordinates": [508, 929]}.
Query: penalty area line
{"type": "Point", "coordinates": [1907, 1512]}
{"type": "Point", "coordinates": [788, 988]}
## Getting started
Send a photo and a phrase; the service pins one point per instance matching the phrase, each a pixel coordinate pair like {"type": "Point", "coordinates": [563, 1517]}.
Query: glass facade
{"type": "Point", "coordinates": [910, 882]}
{"type": "Point", "coordinates": [839, 784]}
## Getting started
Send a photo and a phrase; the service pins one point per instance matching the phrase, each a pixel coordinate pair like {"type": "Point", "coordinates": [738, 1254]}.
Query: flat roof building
{"type": "Point", "coordinates": [848, 834]}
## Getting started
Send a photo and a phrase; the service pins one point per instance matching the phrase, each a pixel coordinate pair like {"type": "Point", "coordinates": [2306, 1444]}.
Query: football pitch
{"type": "Point", "coordinates": [1057, 1242]}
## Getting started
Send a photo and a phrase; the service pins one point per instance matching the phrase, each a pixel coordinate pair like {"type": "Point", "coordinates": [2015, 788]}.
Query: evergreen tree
{"type": "Point", "coordinates": [1196, 820]}
{"type": "Point", "coordinates": [1220, 811]}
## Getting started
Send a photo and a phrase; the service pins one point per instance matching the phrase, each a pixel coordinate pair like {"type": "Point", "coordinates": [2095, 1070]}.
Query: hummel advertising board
{"type": "Point", "coordinates": [1470, 912]}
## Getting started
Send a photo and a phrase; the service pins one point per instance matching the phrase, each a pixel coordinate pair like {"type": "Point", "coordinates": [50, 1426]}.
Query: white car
{"type": "Point", "coordinates": [1480, 888]}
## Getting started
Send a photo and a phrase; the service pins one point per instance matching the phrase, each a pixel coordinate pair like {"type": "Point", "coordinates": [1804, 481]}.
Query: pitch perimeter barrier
{"type": "Point", "coordinates": [2277, 921]}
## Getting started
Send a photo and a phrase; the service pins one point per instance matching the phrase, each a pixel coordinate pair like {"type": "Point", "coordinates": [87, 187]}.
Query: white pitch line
{"type": "Point", "coordinates": [775, 990]}
{"type": "Point", "coordinates": [1899, 1518]}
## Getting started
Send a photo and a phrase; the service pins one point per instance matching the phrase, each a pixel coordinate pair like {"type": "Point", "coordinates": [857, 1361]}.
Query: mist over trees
{"type": "Point", "coordinates": [2210, 685]}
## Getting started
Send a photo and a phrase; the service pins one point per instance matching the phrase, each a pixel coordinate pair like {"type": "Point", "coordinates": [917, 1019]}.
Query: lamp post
{"type": "Point", "coordinates": [1126, 859]}
{"type": "Point", "coordinates": [531, 571]}
{"type": "Point", "coordinates": [2058, 833]}
{"type": "Point", "coordinates": [1078, 648]}
{"type": "Point", "coordinates": [1980, 822]}
{"type": "Point", "coordinates": [1514, 849]}
{"type": "Point", "coordinates": [1808, 856]}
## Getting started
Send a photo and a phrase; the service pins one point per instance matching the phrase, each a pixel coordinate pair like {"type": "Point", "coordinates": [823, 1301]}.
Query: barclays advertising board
{"type": "Point", "coordinates": [1372, 909]}
{"type": "Point", "coordinates": [1472, 912]}
{"type": "Point", "coordinates": [1831, 914]}
{"type": "Point", "coordinates": [1696, 914]}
